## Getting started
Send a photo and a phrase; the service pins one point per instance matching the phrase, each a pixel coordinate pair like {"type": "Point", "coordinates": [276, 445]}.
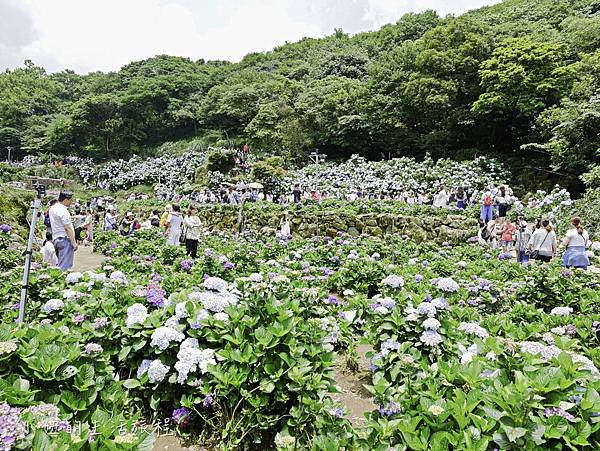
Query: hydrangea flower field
{"type": "Point", "coordinates": [237, 348]}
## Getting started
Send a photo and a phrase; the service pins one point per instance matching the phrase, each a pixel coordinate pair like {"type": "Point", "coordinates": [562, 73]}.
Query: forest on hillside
{"type": "Point", "coordinates": [520, 79]}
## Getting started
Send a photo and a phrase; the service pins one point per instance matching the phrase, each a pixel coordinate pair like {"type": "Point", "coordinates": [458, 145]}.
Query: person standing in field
{"type": "Point", "coordinates": [192, 230]}
{"type": "Point", "coordinates": [174, 223]}
{"type": "Point", "coordinates": [63, 234]}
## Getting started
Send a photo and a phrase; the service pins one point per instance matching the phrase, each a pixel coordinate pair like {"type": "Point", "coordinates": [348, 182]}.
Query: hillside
{"type": "Point", "coordinates": [519, 80]}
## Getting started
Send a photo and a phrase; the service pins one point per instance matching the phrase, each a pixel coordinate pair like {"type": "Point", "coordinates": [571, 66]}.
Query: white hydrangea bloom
{"type": "Point", "coordinates": [73, 277]}
{"type": "Point", "coordinates": [393, 281]}
{"type": "Point", "coordinates": [473, 328]}
{"type": "Point", "coordinates": [447, 284]}
{"type": "Point", "coordinates": [163, 336]}
{"type": "Point", "coordinates": [136, 314]}
{"type": "Point", "coordinates": [157, 371]}
{"type": "Point", "coordinates": [561, 311]}
{"type": "Point", "coordinates": [215, 284]}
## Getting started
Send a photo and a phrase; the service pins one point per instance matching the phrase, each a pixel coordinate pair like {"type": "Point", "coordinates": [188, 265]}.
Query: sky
{"type": "Point", "coordinates": [92, 35]}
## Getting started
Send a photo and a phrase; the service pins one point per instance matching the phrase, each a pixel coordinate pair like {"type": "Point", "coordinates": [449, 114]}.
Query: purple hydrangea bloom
{"type": "Point", "coordinates": [11, 426]}
{"type": "Point", "coordinates": [208, 400]}
{"type": "Point", "coordinates": [228, 265]}
{"type": "Point", "coordinates": [5, 228]}
{"type": "Point", "coordinates": [181, 416]}
{"type": "Point", "coordinates": [186, 265]}
{"type": "Point", "coordinates": [79, 318]}
{"type": "Point", "coordinates": [418, 278]}
{"type": "Point", "coordinates": [155, 294]}
{"type": "Point", "coordinates": [558, 412]}
{"type": "Point", "coordinates": [566, 273]}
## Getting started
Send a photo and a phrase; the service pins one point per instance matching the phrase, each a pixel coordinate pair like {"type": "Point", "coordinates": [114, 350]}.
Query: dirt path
{"type": "Point", "coordinates": [86, 259]}
{"type": "Point", "coordinates": [353, 395]}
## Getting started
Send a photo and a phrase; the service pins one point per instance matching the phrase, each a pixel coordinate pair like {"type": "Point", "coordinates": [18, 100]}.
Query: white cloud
{"type": "Point", "coordinates": [89, 35]}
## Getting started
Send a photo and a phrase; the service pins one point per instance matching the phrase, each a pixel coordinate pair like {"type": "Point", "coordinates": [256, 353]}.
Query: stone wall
{"type": "Point", "coordinates": [451, 227]}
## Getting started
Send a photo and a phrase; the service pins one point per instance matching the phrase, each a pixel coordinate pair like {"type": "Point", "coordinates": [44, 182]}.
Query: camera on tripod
{"type": "Point", "coordinates": [40, 189]}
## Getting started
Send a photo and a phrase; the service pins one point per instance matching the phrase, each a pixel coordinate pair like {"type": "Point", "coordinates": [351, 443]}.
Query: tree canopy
{"type": "Point", "coordinates": [503, 79]}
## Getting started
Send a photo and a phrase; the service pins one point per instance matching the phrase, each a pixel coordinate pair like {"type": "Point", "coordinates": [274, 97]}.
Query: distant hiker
{"type": "Point", "coordinates": [461, 198]}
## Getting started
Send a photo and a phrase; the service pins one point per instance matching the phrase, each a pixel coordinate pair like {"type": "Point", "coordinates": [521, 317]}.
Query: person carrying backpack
{"type": "Point", "coordinates": [487, 202]}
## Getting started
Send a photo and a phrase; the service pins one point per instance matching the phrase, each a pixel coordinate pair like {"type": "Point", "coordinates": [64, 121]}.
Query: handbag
{"type": "Point", "coordinates": [535, 254]}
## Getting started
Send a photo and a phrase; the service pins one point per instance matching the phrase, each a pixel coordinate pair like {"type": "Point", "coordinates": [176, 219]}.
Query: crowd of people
{"type": "Point", "coordinates": [500, 227]}
{"type": "Point", "coordinates": [535, 240]}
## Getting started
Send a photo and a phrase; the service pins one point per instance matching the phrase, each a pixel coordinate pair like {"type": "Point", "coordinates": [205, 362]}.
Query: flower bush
{"type": "Point", "coordinates": [237, 347]}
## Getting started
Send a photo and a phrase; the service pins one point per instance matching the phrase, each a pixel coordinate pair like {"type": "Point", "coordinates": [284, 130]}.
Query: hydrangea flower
{"type": "Point", "coordinates": [6, 347]}
{"type": "Point", "coordinates": [100, 323]}
{"type": "Point", "coordinates": [215, 284]}
{"type": "Point", "coordinates": [389, 345]}
{"type": "Point", "coordinates": [5, 228]}
{"type": "Point", "coordinates": [163, 336]}
{"type": "Point", "coordinates": [393, 281]}
{"type": "Point", "coordinates": [181, 416]}
{"type": "Point", "coordinates": [256, 277]}
{"type": "Point", "coordinates": [561, 311]}
{"type": "Point", "coordinates": [52, 305]}
{"type": "Point", "coordinates": [93, 348]}
{"type": "Point", "coordinates": [136, 314]}
{"type": "Point", "coordinates": [118, 277]}
{"type": "Point", "coordinates": [191, 359]}
{"type": "Point", "coordinates": [12, 429]}
{"type": "Point", "coordinates": [426, 309]}
{"type": "Point", "coordinates": [558, 412]}
{"type": "Point", "coordinates": [155, 294]}
{"type": "Point", "coordinates": [431, 324]}
{"type": "Point", "coordinates": [207, 402]}
{"type": "Point", "coordinates": [143, 368]}
{"type": "Point", "coordinates": [157, 371]}
{"type": "Point", "coordinates": [473, 328]}
{"type": "Point", "coordinates": [392, 408]}
{"type": "Point", "coordinates": [418, 278]}
{"type": "Point", "coordinates": [440, 303]}
{"type": "Point", "coordinates": [431, 338]}
{"type": "Point", "coordinates": [187, 265]}
{"type": "Point", "coordinates": [448, 285]}
{"type": "Point", "coordinates": [73, 277]}
{"type": "Point", "coordinates": [79, 318]}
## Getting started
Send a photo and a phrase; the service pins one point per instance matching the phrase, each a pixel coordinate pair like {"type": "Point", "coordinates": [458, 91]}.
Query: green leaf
{"type": "Point", "coordinates": [513, 433]}
{"type": "Point", "coordinates": [131, 383]}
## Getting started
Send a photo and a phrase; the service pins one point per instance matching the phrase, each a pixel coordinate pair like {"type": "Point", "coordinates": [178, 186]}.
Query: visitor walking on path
{"type": "Point", "coordinates": [543, 243]}
{"type": "Point", "coordinates": [110, 219]}
{"type": "Point", "coordinates": [501, 201]}
{"type": "Point", "coordinates": [507, 232]}
{"type": "Point", "coordinates": [192, 230]}
{"type": "Point", "coordinates": [522, 238]}
{"type": "Point", "coordinates": [63, 234]}
{"type": "Point", "coordinates": [487, 201]}
{"type": "Point", "coordinates": [88, 226]}
{"type": "Point", "coordinates": [576, 241]}
{"type": "Point", "coordinates": [174, 222]}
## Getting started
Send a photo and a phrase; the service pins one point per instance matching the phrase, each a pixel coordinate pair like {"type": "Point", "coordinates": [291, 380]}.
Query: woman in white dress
{"type": "Point", "coordinates": [173, 230]}
{"type": "Point", "coordinates": [284, 225]}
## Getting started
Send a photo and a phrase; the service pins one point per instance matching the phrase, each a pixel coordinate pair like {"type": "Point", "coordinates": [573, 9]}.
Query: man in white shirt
{"type": "Point", "coordinates": [63, 234]}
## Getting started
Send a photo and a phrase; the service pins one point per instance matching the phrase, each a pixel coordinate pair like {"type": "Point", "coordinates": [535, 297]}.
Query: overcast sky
{"type": "Point", "coordinates": [90, 35]}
